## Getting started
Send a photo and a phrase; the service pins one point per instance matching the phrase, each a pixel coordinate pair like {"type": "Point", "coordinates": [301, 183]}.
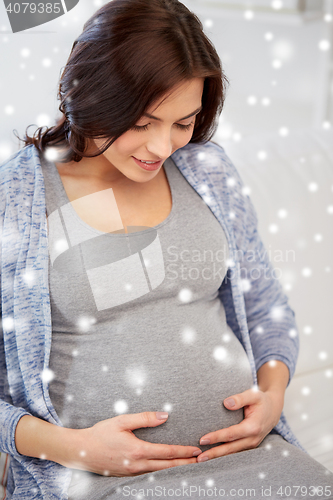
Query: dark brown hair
{"type": "Point", "coordinates": [130, 54]}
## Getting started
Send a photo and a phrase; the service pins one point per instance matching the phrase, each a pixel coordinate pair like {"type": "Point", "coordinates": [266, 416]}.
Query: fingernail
{"type": "Point", "coordinates": [196, 453]}
{"type": "Point", "coordinates": [205, 441]}
{"type": "Point", "coordinates": [203, 459]}
{"type": "Point", "coordinates": [161, 415]}
{"type": "Point", "coordinates": [230, 402]}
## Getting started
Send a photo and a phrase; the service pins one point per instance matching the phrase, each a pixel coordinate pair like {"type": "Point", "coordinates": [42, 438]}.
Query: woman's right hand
{"type": "Point", "coordinates": [110, 447]}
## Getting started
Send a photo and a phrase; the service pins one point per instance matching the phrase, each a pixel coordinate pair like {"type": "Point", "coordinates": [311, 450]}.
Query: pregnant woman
{"type": "Point", "coordinates": [146, 345]}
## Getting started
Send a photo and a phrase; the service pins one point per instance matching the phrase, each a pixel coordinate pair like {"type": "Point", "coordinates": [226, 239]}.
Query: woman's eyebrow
{"type": "Point", "coordinates": [179, 120]}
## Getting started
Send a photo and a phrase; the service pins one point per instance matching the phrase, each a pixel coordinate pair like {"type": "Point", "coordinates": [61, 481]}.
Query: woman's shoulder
{"type": "Point", "coordinates": [205, 156]}
{"type": "Point", "coordinates": [25, 159]}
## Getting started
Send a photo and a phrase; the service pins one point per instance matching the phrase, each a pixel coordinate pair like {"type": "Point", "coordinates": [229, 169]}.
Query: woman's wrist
{"type": "Point", "coordinates": [273, 376]}
{"type": "Point", "coordinates": [37, 438]}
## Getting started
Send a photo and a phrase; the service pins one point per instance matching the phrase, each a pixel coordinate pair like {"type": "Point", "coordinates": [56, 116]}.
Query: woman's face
{"type": "Point", "coordinates": [155, 138]}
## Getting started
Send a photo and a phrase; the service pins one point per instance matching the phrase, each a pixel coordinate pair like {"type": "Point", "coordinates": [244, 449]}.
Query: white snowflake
{"type": "Point", "coordinates": [52, 154]}
{"type": "Point", "coordinates": [282, 213]}
{"type": "Point", "coordinates": [185, 295]}
{"type": "Point", "coordinates": [277, 313]}
{"type": "Point", "coordinates": [252, 100]}
{"type": "Point", "coordinates": [277, 64]}
{"type": "Point", "coordinates": [188, 335]}
{"type": "Point", "coordinates": [25, 52]}
{"type": "Point", "coordinates": [208, 23]}
{"type": "Point", "coordinates": [305, 391]}
{"type": "Point", "coordinates": [8, 323]}
{"type": "Point", "coordinates": [230, 263]}
{"type": "Point", "coordinates": [61, 245]}
{"type": "Point", "coordinates": [307, 330]}
{"type": "Point", "coordinates": [246, 190]}
{"type": "Point", "coordinates": [220, 353]}
{"type": "Point", "coordinates": [245, 285]}
{"type": "Point", "coordinates": [9, 110]}
{"type": "Point", "coordinates": [226, 337]}
{"type": "Point", "coordinates": [248, 14]}
{"type": "Point", "coordinates": [262, 155]}
{"type": "Point", "coordinates": [273, 228]}
{"type": "Point", "coordinates": [313, 186]}
{"type": "Point", "coordinates": [167, 407]}
{"type": "Point", "coordinates": [136, 376]}
{"type": "Point", "coordinates": [47, 375]}
{"type": "Point", "coordinates": [306, 272]}
{"type": "Point", "coordinates": [207, 199]}
{"type": "Point", "coordinates": [84, 323]}
{"type": "Point", "coordinates": [46, 62]}
{"type": "Point", "coordinates": [292, 333]}
{"type": "Point", "coordinates": [324, 45]}
{"type": "Point", "coordinates": [283, 131]}
{"type": "Point", "coordinates": [120, 406]}
{"type": "Point", "coordinates": [231, 181]}
{"type": "Point", "coordinates": [277, 4]}
{"type": "Point", "coordinates": [237, 136]}
{"type": "Point", "coordinates": [29, 277]}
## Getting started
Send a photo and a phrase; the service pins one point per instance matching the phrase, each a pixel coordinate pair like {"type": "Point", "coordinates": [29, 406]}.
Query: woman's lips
{"type": "Point", "coordinates": [148, 166]}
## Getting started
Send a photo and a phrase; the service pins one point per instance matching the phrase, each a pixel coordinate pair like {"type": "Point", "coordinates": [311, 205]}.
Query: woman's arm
{"type": "Point", "coordinates": [107, 448]}
{"type": "Point", "coordinates": [273, 376]}
{"type": "Point", "coordinates": [37, 438]}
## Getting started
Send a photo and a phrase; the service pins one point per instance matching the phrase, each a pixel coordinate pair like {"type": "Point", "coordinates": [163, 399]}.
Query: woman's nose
{"type": "Point", "coordinates": [160, 146]}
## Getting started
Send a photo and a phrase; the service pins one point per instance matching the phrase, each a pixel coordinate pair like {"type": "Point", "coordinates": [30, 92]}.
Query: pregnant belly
{"type": "Point", "coordinates": [192, 389]}
{"type": "Point", "coordinates": [190, 383]}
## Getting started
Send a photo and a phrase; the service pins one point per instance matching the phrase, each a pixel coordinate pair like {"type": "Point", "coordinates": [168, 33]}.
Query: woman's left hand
{"type": "Point", "coordinates": [262, 411]}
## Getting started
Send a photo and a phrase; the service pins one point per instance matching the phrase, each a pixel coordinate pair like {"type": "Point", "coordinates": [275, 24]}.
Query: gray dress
{"type": "Point", "coordinates": [137, 326]}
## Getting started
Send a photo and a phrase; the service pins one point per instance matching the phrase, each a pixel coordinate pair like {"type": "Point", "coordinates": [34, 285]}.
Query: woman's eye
{"type": "Point", "coordinates": [185, 127]}
{"type": "Point", "coordinates": [139, 128]}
